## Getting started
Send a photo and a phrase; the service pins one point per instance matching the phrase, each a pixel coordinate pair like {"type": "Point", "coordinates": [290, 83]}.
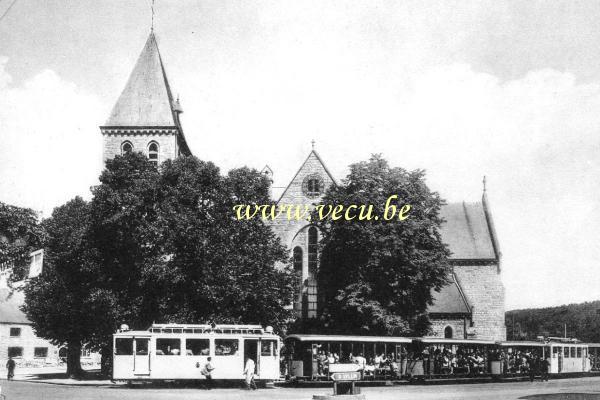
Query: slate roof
{"type": "Point", "coordinates": [467, 232]}
{"type": "Point", "coordinates": [146, 100]}
{"type": "Point", "coordinates": [10, 301]}
{"type": "Point", "coordinates": [449, 300]}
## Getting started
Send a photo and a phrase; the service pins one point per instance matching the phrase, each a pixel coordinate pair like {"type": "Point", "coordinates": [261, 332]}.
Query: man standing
{"type": "Point", "coordinates": [249, 372]}
{"type": "Point", "coordinates": [544, 366]}
{"type": "Point", "coordinates": [10, 366]}
{"type": "Point", "coordinates": [207, 372]}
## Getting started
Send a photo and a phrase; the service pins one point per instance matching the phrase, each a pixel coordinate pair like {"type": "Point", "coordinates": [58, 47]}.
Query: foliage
{"type": "Point", "coordinates": [159, 245]}
{"type": "Point", "coordinates": [20, 234]}
{"type": "Point", "coordinates": [171, 249]}
{"type": "Point", "coordinates": [582, 320]}
{"type": "Point", "coordinates": [376, 276]}
{"type": "Point", "coordinates": [63, 303]}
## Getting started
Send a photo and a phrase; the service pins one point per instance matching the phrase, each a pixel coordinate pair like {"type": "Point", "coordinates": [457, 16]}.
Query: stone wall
{"type": "Point", "coordinates": [28, 341]}
{"type": "Point", "coordinates": [167, 142]}
{"type": "Point", "coordinates": [438, 325]}
{"type": "Point", "coordinates": [484, 291]}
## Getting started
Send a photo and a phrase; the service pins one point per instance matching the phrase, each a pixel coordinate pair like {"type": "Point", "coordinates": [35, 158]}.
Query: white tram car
{"type": "Point", "coordinates": [565, 355]}
{"type": "Point", "coordinates": [178, 352]}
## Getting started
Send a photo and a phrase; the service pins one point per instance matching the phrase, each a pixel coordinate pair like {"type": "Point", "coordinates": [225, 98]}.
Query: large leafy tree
{"type": "Point", "coordinates": [64, 303]}
{"type": "Point", "coordinates": [221, 269]}
{"type": "Point", "coordinates": [158, 245]}
{"type": "Point", "coordinates": [376, 275]}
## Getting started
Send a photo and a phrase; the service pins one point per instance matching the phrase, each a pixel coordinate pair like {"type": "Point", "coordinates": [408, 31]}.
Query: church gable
{"type": "Point", "coordinates": [309, 184]}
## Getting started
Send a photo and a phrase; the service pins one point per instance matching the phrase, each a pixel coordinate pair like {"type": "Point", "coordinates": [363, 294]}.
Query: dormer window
{"type": "Point", "coordinates": [126, 147]}
{"type": "Point", "coordinates": [153, 153]}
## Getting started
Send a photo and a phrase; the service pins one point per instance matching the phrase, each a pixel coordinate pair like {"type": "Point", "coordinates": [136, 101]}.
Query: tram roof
{"type": "Point", "coordinates": [455, 341]}
{"type": "Point", "coordinates": [349, 338]}
{"type": "Point", "coordinates": [532, 343]}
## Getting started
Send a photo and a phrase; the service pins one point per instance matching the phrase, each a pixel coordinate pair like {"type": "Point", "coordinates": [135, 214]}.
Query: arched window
{"type": "Point", "coordinates": [313, 241]}
{"type": "Point", "coordinates": [126, 147]}
{"type": "Point", "coordinates": [153, 152]}
{"type": "Point", "coordinates": [298, 258]}
{"type": "Point", "coordinates": [298, 261]}
{"type": "Point", "coordinates": [448, 332]}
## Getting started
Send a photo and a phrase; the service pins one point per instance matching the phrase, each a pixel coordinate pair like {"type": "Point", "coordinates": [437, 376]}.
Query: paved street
{"type": "Point", "coordinates": [571, 389]}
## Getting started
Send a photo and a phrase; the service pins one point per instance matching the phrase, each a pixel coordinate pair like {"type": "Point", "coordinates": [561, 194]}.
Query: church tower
{"type": "Point", "coordinates": [146, 117]}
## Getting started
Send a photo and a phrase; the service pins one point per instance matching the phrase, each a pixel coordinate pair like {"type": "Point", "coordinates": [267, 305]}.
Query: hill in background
{"type": "Point", "coordinates": [582, 320]}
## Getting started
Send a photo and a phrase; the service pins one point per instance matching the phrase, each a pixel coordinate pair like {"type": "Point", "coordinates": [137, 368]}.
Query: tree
{"type": "Point", "coordinates": [222, 269]}
{"type": "Point", "coordinates": [20, 234]}
{"type": "Point", "coordinates": [63, 303]}
{"type": "Point", "coordinates": [376, 276]}
{"type": "Point", "coordinates": [158, 245]}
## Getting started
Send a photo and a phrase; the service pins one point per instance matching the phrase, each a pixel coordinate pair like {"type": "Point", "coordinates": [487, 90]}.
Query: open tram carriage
{"type": "Point", "coordinates": [178, 352]}
{"type": "Point", "coordinates": [310, 356]}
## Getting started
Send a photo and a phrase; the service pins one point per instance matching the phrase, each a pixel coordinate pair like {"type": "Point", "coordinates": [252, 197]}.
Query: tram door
{"type": "Point", "coordinates": [251, 351]}
{"type": "Point", "coordinates": [141, 360]}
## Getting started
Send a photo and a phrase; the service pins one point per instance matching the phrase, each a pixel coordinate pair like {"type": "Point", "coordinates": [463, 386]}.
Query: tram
{"type": "Point", "coordinates": [594, 356]}
{"type": "Point", "coordinates": [307, 356]}
{"type": "Point", "coordinates": [304, 351]}
{"type": "Point", "coordinates": [565, 355]}
{"type": "Point", "coordinates": [178, 352]}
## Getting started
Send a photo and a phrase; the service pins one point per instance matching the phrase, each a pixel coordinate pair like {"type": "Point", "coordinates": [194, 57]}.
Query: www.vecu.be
{"type": "Point", "coordinates": [298, 212]}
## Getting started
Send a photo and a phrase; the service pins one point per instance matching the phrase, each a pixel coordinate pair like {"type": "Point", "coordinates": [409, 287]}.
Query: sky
{"type": "Point", "coordinates": [506, 89]}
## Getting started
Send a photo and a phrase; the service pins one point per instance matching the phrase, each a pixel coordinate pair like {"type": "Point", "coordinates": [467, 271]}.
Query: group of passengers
{"type": "Point", "coordinates": [366, 366]}
{"type": "Point", "coordinates": [438, 361]}
{"type": "Point", "coordinates": [441, 361]}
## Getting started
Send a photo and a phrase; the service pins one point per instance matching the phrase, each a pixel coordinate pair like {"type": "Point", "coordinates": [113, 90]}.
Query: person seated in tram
{"type": "Point", "coordinates": [321, 359]}
{"type": "Point", "coordinates": [336, 358]}
{"type": "Point", "coordinates": [445, 362]}
{"type": "Point", "coordinates": [174, 352]}
{"type": "Point", "coordinates": [377, 360]}
{"type": "Point", "coordinates": [331, 358]}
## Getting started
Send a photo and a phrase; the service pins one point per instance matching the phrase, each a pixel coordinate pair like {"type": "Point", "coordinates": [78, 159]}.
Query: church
{"type": "Point", "coordinates": [146, 118]}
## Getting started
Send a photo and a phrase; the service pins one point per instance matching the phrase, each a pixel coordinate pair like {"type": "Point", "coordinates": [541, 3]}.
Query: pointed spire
{"type": "Point", "coordinates": [146, 100]}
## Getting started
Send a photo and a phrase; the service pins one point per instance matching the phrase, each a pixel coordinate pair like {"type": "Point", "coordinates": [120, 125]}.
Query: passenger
{"type": "Point", "coordinates": [331, 358]}
{"type": "Point", "coordinates": [544, 368]}
{"type": "Point", "coordinates": [207, 370]}
{"type": "Point", "coordinates": [533, 364]}
{"type": "Point", "coordinates": [377, 361]}
{"type": "Point", "coordinates": [249, 373]}
{"type": "Point", "coordinates": [336, 358]}
{"type": "Point", "coordinates": [320, 363]}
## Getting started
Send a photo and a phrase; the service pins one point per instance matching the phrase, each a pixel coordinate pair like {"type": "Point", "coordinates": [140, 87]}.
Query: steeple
{"type": "Point", "coordinates": [146, 112]}
{"type": "Point", "coordinates": [146, 100]}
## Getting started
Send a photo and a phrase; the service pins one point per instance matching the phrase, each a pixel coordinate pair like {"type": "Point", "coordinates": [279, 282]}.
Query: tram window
{"type": "Point", "coordinates": [573, 352]}
{"type": "Point", "coordinates": [226, 347]}
{"type": "Point", "coordinates": [198, 330]}
{"type": "Point", "coordinates": [177, 331]}
{"type": "Point", "coordinates": [168, 347]}
{"type": "Point", "coordinates": [197, 347]}
{"type": "Point", "coordinates": [268, 348]}
{"type": "Point", "coordinates": [141, 347]}
{"type": "Point", "coordinates": [188, 331]}
{"type": "Point", "coordinates": [579, 352]}
{"type": "Point", "coordinates": [124, 347]}
{"type": "Point", "coordinates": [567, 354]}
